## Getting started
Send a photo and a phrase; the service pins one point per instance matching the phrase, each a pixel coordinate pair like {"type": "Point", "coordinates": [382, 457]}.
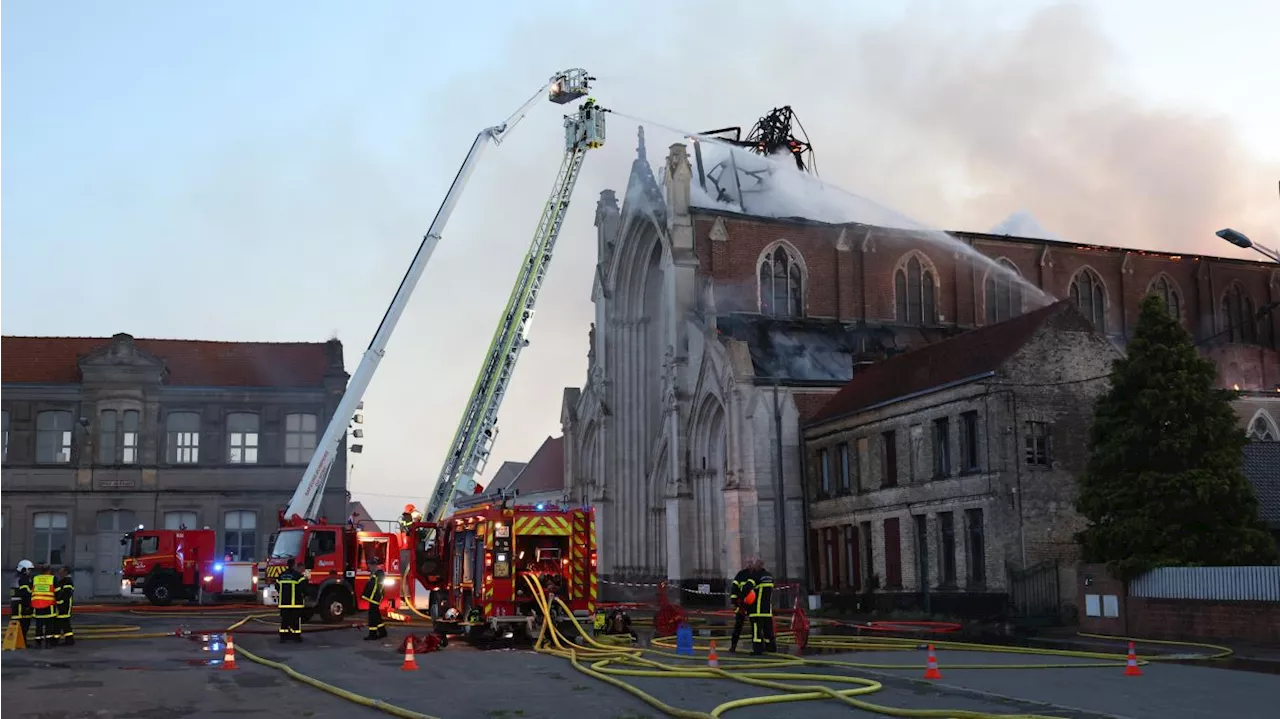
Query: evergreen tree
{"type": "Point", "coordinates": [1164, 485]}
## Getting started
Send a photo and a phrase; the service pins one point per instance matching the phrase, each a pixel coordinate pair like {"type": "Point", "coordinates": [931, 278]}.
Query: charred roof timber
{"type": "Point", "coordinates": [772, 134]}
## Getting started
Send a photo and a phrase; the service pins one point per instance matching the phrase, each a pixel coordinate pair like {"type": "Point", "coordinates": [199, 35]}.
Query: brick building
{"type": "Point", "coordinates": [942, 468]}
{"type": "Point", "coordinates": [102, 435]}
{"type": "Point", "coordinates": [724, 320]}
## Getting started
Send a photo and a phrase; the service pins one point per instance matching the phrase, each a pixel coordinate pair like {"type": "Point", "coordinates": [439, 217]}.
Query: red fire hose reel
{"type": "Point", "coordinates": [669, 616]}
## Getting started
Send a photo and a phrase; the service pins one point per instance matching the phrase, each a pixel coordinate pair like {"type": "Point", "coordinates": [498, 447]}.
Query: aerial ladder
{"type": "Point", "coordinates": [474, 438]}
{"type": "Point", "coordinates": [562, 88]}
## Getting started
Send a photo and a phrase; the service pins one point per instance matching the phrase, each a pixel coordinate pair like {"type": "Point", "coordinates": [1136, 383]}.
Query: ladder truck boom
{"type": "Point", "coordinates": [475, 435]}
{"type": "Point", "coordinates": [562, 87]}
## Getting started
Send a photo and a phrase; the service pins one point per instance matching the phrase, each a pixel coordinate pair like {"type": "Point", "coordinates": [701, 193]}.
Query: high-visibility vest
{"type": "Point", "coordinates": [761, 605]}
{"type": "Point", "coordinates": [42, 594]}
{"type": "Point", "coordinates": [373, 590]}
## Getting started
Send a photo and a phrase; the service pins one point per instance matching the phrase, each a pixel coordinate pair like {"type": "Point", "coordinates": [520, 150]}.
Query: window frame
{"type": "Point", "coordinates": [999, 288]}
{"type": "Point", "coordinates": [295, 439]}
{"type": "Point", "coordinates": [780, 265]}
{"type": "Point", "coordinates": [66, 444]}
{"type": "Point", "coordinates": [5, 419]}
{"type": "Point", "coordinates": [1037, 444]}
{"type": "Point", "coordinates": [1087, 279]}
{"type": "Point", "coordinates": [181, 514]}
{"type": "Point", "coordinates": [240, 532]}
{"type": "Point", "coordinates": [888, 459]}
{"type": "Point", "coordinates": [243, 445]}
{"type": "Point", "coordinates": [942, 447]}
{"type": "Point", "coordinates": [970, 443]}
{"type": "Point", "coordinates": [175, 448]}
{"type": "Point", "coordinates": [1165, 288]}
{"type": "Point", "coordinates": [975, 543]}
{"type": "Point", "coordinates": [846, 469]}
{"type": "Point", "coordinates": [48, 534]}
{"type": "Point", "coordinates": [915, 292]}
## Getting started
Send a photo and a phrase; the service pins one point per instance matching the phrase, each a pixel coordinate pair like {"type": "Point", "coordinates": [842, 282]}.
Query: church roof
{"type": "Point", "coordinates": [545, 471]}
{"type": "Point", "coordinates": [1262, 467]}
{"type": "Point", "coordinates": [960, 358]}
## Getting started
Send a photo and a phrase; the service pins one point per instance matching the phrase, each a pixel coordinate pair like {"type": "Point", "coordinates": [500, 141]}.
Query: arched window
{"type": "Point", "coordinates": [1164, 288]}
{"type": "Point", "coordinates": [1090, 297]}
{"type": "Point", "coordinates": [781, 285]}
{"type": "Point", "coordinates": [1238, 321]}
{"type": "Point", "coordinates": [1003, 293]}
{"type": "Point", "coordinates": [1262, 430]}
{"type": "Point", "coordinates": [913, 291]}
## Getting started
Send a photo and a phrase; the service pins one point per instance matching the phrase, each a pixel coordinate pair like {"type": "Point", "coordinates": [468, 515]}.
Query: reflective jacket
{"type": "Point", "coordinates": [743, 582]}
{"type": "Point", "coordinates": [373, 590]}
{"type": "Point", "coordinates": [763, 604]}
{"type": "Point", "coordinates": [43, 597]}
{"type": "Point", "coordinates": [289, 587]}
{"type": "Point", "coordinates": [65, 591]}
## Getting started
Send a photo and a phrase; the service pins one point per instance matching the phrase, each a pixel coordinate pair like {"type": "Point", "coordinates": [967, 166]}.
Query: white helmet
{"type": "Point", "coordinates": [25, 564]}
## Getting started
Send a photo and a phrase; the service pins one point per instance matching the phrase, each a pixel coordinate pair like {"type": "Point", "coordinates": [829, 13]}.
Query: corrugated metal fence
{"type": "Point", "coordinates": [1241, 584]}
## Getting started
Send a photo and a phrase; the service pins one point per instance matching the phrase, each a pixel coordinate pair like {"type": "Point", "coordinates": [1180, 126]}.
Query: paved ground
{"type": "Point", "coordinates": [171, 677]}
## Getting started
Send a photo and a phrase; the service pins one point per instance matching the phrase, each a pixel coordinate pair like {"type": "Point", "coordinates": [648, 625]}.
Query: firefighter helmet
{"type": "Point", "coordinates": [25, 564]}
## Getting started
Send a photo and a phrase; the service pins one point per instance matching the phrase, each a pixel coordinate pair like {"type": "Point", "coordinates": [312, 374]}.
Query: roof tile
{"type": "Point", "coordinates": [191, 363]}
{"type": "Point", "coordinates": [967, 355]}
{"type": "Point", "coordinates": [545, 472]}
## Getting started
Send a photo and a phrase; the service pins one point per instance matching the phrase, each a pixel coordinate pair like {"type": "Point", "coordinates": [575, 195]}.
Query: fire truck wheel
{"type": "Point", "coordinates": [332, 606]}
{"type": "Point", "coordinates": [160, 591]}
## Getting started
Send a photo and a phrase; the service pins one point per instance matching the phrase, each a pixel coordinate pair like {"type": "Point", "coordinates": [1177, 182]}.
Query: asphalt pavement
{"type": "Point", "coordinates": [172, 677]}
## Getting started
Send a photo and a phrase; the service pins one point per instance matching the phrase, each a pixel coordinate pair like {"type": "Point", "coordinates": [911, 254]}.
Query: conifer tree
{"type": "Point", "coordinates": [1164, 484]}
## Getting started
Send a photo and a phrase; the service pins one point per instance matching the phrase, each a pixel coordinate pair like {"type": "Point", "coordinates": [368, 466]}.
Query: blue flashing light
{"type": "Point", "coordinates": [539, 507]}
{"type": "Point", "coordinates": [217, 567]}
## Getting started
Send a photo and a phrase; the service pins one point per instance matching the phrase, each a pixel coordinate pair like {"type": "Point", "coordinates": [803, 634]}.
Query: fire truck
{"type": "Point", "coordinates": [488, 546]}
{"type": "Point", "coordinates": [175, 564]}
{"type": "Point", "coordinates": [422, 561]}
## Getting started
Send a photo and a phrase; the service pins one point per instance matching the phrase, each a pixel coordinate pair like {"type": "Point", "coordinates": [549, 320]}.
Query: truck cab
{"type": "Point", "coordinates": [334, 559]}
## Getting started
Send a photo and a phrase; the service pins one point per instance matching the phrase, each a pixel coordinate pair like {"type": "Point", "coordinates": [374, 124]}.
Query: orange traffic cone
{"type": "Point", "coordinates": [1131, 668]}
{"type": "Point", "coordinates": [713, 661]}
{"type": "Point", "coordinates": [229, 658]}
{"type": "Point", "coordinates": [410, 664]}
{"type": "Point", "coordinates": [931, 666]}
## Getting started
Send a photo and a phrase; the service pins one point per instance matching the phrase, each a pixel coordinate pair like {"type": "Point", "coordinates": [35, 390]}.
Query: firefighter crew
{"type": "Point", "coordinates": [44, 605]}
{"type": "Point", "coordinates": [20, 595]}
{"type": "Point", "coordinates": [743, 582]}
{"type": "Point", "coordinates": [373, 595]}
{"type": "Point", "coordinates": [289, 588]}
{"type": "Point", "coordinates": [406, 519]}
{"type": "Point", "coordinates": [64, 589]}
{"type": "Point", "coordinates": [760, 608]}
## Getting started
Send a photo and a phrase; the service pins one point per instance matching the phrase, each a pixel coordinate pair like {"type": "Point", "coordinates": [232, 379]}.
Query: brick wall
{"type": "Point", "coordinates": [852, 279]}
{"type": "Point", "coordinates": [1174, 619]}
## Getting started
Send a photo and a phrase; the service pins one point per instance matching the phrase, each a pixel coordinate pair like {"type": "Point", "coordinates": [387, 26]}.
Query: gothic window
{"type": "Point", "coordinates": [1090, 297]}
{"type": "Point", "coordinates": [1003, 293]}
{"type": "Point", "coordinates": [1261, 430]}
{"type": "Point", "coordinates": [913, 289]}
{"type": "Point", "coordinates": [1163, 288]}
{"type": "Point", "coordinates": [781, 285]}
{"type": "Point", "coordinates": [1238, 321]}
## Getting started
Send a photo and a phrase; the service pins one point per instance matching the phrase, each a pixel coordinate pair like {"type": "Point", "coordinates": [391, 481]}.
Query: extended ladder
{"type": "Point", "coordinates": [474, 438]}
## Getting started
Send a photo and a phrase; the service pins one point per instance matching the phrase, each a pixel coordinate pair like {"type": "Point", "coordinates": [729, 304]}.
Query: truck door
{"type": "Point", "coordinates": [323, 557]}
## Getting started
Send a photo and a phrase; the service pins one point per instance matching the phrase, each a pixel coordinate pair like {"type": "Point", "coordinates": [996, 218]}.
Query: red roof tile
{"type": "Point", "coordinates": [191, 363]}
{"type": "Point", "coordinates": [967, 355]}
{"type": "Point", "coordinates": [545, 472]}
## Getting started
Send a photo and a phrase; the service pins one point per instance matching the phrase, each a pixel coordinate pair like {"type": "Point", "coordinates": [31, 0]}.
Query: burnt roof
{"type": "Point", "coordinates": [1262, 467]}
{"type": "Point", "coordinates": [956, 359]}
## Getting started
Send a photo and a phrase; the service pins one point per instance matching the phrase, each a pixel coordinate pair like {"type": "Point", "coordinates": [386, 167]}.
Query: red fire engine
{"type": "Point", "coordinates": [175, 564]}
{"type": "Point", "coordinates": [486, 549]}
{"type": "Point", "coordinates": [335, 561]}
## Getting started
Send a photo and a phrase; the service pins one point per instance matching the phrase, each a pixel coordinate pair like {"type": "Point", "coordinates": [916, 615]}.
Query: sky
{"type": "Point", "coordinates": [264, 172]}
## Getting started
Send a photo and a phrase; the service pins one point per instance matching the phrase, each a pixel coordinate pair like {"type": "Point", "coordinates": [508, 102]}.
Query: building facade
{"type": "Point", "coordinates": [104, 435]}
{"type": "Point", "coordinates": [719, 332]}
{"type": "Point", "coordinates": [952, 469]}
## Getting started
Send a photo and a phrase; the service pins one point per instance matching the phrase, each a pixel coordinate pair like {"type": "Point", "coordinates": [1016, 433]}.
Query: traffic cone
{"type": "Point", "coordinates": [1131, 668]}
{"type": "Point", "coordinates": [229, 659]}
{"type": "Point", "coordinates": [410, 664]}
{"type": "Point", "coordinates": [713, 661]}
{"type": "Point", "coordinates": [931, 666]}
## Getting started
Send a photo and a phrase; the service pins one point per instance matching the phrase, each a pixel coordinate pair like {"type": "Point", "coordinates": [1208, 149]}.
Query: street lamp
{"type": "Point", "coordinates": [1239, 239]}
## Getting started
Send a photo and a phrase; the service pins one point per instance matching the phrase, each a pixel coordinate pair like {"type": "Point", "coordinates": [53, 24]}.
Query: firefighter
{"type": "Point", "coordinates": [406, 520]}
{"type": "Point", "coordinates": [743, 582]}
{"type": "Point", "coordinates": [289, 588]}
{"type": "Point", "coordinates": [65, 595]}
{"type": "Point", "coordinates": [373, 595]}
{"type": "Point", "coordinates": [20, 595]}
{"type": "Point", "coordinates": [44, 606]}
{"type": "Point", "coordinates": [760, 609]}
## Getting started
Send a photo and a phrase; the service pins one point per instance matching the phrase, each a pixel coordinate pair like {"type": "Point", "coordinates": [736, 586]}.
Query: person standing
{"type": "Point", "coordinates": [373, 595]}
{"type": "Point", "coordinates": [44, 608]}
{"type": "Point", "coordinates": [20, 596]}
{"type": "Point", "coordinates": [743, 582]}
{"type": "Point", "coordinates": [760, 600]}
{"type": "Point", "coordinates": [289, 589]}
{"type": "Point", "coordinates": [64, 589]}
